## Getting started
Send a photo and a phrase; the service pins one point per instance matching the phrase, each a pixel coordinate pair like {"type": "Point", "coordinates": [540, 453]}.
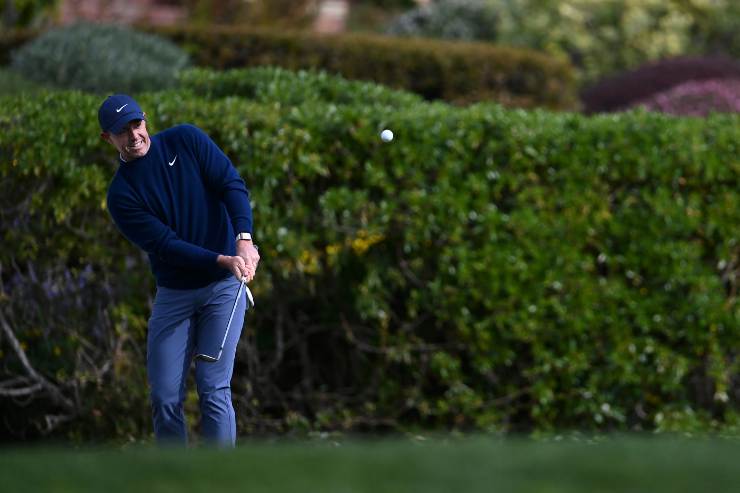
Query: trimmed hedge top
{"type": "Point", "coordinates": [277, 85]}
{"type": "Point", "coordinates": [458, 72]}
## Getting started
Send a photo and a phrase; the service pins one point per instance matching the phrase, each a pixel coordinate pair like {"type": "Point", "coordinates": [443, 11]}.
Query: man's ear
{"type": "Point", "coordinates": [106, 137]}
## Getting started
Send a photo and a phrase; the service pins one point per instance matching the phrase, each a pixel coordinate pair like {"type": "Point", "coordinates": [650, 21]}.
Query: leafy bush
{"type": "Point", "coordinates": [697, 98]}
{"type": "Point", "coordinates": [489, 269]}
{"type": "Point", "coordinates": [100, 58]}
{"type": "Point", "coordinates": [624, 90]}
{"type": "Point", "coordinates": [451, 19]}
{"type": "Point", "coordinates": [599, 38]}
{"type": "Point", "coordinates": [717, 26]}
{"type": "Point", "coordinates": [455, 72]}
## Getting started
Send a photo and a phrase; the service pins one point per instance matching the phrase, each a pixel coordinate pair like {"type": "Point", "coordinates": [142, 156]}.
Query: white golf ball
{"type": "Point", "coordinates": [386, 135]}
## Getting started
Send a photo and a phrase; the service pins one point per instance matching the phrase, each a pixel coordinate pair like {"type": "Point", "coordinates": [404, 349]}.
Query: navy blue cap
{"type": "Point", "coordinates": [116, 111]}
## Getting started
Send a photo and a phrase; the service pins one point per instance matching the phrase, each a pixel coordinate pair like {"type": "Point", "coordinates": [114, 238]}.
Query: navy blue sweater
{"type": "Point", "coordinates": [182, 203]}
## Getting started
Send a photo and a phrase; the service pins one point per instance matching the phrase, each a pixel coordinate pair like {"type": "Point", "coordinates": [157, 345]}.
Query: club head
{"type": "Point", "coordinates": [206, 358]}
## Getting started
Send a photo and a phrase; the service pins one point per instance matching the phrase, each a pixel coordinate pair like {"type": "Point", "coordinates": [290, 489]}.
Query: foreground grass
{"type": "Point", "coordinates": [475, 465]}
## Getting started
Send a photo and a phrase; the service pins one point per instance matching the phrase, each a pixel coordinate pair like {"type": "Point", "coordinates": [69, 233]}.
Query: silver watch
{"type": "Point", "coordinates": [244, 236]}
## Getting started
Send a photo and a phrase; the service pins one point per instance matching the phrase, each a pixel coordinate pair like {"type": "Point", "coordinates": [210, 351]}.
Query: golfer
{"type": "Point", "coordinates": [177, 196]}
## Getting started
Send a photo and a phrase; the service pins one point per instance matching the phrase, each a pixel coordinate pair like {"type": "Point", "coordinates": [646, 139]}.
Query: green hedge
{"type": "Point", "coordinates": [453, 71]}
{"type": "Point", "coordinates": [277, 85]}
{"type": "Point", "coordinates": [489, 269]}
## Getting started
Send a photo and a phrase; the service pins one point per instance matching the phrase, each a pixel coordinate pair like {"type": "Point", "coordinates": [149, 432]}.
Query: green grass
{"type": "Point", "coordinates": [651, 465]}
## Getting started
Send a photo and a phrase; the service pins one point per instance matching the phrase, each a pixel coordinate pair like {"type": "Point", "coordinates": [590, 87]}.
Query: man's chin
{"type": "Point", "coordinates": [130, 154]}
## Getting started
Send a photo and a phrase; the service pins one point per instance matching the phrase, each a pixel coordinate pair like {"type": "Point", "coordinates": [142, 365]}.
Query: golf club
{"type": "Point", "coordinates": [213, 359]}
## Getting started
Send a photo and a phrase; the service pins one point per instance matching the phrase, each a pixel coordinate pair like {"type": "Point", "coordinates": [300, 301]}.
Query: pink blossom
{"type": "Point", "coordinates": [697, 98]}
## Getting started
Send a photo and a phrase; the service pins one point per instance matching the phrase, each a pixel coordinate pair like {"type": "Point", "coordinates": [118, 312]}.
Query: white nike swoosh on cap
{"type": "Point", "coordinates": [122, 107]}
{"type": "Point", "coordinates": [173, 161]}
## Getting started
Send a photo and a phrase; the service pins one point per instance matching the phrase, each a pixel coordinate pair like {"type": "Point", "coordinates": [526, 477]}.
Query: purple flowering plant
{"type": "Point", "coordinates": [697, 98]}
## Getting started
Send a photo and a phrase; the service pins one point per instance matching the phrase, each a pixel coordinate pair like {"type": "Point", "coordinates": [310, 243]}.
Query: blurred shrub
{"type": "Point", "coordinates": [622, 91]}
{"type": "Point", "coordinates": [100, 58]}
{"type": "Point", "coordinates": [717, 26]}
{"type": "Point", "coordinates": [392, 4]}
{"type": "Point", "coordinates": [12, 39]}
{"type": "Point", "coordinates": [455, 72]}
{"type": "Point", "coordinates": [490, 269]}
{"type": "Point", "coordinates": [697, 98]}
{"type": "Point", "coordinates": [284, 13]}
{"type": "Point", "coordinates": [451, 19]}
{"type": "Point", "coordinates": [27, 13]}
{"type": "Point", "coordinates": [600, 38]}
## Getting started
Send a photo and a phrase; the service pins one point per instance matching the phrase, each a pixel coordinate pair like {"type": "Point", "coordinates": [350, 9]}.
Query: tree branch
{"type": "Point", "coordinates": [56, 394]}
{"type": "Point", "coordinates": [19, 391]}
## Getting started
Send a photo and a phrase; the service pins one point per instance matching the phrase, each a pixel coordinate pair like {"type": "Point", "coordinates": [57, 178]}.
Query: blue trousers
{"type": "Point", "coordinates": [186, 322]}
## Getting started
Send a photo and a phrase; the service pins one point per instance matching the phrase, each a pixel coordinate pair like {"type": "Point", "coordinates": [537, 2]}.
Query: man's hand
{"type": "Point", "coordinates": [246, 250]}
{"type": "Point", "coordinates": [236, 265]}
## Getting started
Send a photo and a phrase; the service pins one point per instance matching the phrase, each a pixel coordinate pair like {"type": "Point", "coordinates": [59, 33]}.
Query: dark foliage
{"type": "Point", "coordinates": [619, 92]}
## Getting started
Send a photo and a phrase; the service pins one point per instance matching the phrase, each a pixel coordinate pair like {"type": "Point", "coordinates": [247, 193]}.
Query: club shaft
{"type": "Point", "coordinates": [231, 317]}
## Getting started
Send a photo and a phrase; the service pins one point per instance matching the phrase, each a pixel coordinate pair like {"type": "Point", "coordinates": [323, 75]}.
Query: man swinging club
{"type": "Point", "coordinates": [178, 197]}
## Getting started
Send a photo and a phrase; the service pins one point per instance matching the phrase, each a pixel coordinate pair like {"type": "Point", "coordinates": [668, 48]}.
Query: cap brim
{"type": "Point", "coordinates": [121, 123]}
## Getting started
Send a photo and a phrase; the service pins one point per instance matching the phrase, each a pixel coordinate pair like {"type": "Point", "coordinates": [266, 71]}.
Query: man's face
{"type": "Point", "coordinates": [133, 142]}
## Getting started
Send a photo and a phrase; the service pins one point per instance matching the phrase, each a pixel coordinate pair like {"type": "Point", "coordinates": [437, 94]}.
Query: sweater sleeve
{"type": "Point", "coordinates": [220, 175]}
{"type": "Point", "coordinates": [145, 230]}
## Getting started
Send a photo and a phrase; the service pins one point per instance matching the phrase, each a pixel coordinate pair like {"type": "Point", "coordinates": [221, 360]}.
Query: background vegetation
{"type": "Point", "coordinates": [612, 45]}
{"type": "Point", "coordinates": [600, 38]}
{"type": "Point", "coordinates": [629, 88]}
{"type": "Point", "coordinates": [100, 58]}
{"type": "Point", "coordinates": [489, 270]}
{"type": "Point", "coordinates": [27, 13]}
{"type": "Point", "coordinates": [455, 72]}
{"type": "Point", "coordinates": [697, 98]}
